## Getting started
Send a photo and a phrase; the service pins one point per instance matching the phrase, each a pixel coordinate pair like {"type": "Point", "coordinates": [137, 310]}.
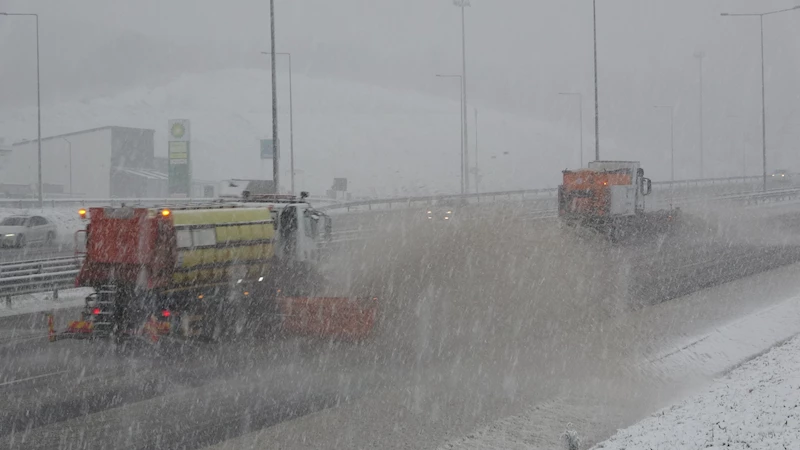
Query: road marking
{"type": "Point", "coordinates": [8, 383]}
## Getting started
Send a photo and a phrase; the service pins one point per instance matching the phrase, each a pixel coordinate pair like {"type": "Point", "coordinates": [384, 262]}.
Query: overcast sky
{"type": "Point", "coordinates": [521, 53]}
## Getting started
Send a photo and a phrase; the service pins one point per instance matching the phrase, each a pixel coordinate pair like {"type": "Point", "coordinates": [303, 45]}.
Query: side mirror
{"type": "Point", "coordinates": [647, 186]}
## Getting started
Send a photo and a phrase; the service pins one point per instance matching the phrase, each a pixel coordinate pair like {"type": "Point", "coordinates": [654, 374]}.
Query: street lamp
{"type": "Point", "coordinates": [462, 133]}
{"type": "Point", "coordinates": [596, 94]}
{"type": "Point", "coordinates": [580, 115]}
{"type": "Point", "coordinates": [291, 117]}
{"type": "Point", "coordinates": [38, 104]}
{"type": "Point", "coordinates": [69, 147]}
{"type": "Point", "coordinates": [671, 138]}
{"type": "Point", "coordinates": [744, 148]}
{"type": "Point", "coordinates": [477, 173]}
{"type": "Point", "coordinates": [463, 4]}
{"type": "Point", "coordinates": [275, 156]}
{"type": "Point", "coordinates": [763, 84]}
{"type": "Point", "coordinates": [700, 56]}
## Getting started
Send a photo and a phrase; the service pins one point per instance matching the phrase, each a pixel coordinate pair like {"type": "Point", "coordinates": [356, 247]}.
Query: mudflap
{"type": "Point", "coordinates": [329, 317]}
{"type": "Point", "coordinates": [153, 329]}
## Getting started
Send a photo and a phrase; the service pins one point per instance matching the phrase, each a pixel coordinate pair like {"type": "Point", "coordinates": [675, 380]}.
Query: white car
{"type": "Point", "coordinates": [19, 231]}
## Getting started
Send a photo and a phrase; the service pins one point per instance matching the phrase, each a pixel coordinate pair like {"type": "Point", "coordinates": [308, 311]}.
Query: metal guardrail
{"type": "Point", "coordinates": [30, 277]}
{"type": "Point", "coordinates": [330, 204]}
{"type": "Point", "coordinates": [28, 203]}
{"type": "Point", "coordinates": [769, 196]}
{"type": "Point", "coordinates": [747, 199]}
{"type": "Point", "coordinates": [526, 194]}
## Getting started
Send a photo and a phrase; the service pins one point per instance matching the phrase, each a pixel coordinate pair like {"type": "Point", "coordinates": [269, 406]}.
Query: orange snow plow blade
{"type": "Point", "coordinates": [337, 317]}
{"type": "Point", "coordinates": [80, 327]}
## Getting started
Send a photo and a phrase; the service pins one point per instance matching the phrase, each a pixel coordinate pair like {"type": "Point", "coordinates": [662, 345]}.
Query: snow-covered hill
{"type": "Point", "coordinates": [385, 142]}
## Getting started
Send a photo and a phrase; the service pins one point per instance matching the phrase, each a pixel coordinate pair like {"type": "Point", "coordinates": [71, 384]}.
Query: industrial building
{"type": "Point", "coordinates": [105, 162]}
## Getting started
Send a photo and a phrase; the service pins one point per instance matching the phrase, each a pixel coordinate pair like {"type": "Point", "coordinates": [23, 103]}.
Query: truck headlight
{"type": "Point", "coordinates": [10, 235]}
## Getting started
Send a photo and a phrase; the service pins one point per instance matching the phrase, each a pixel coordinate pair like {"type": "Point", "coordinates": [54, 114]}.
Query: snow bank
{"type": "Point", "coordinates": [757, 405]}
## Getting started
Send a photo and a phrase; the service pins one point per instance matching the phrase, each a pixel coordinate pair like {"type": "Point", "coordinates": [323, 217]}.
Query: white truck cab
{"type": "Point", "coordinates": [301, 230]}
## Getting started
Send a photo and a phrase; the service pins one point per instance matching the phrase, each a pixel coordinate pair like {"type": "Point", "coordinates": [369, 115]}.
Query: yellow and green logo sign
{"type": "Point", "coordinates": [178, 130]}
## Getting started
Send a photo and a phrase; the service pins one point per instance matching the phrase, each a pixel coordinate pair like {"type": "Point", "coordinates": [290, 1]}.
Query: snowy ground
{"type": "Point", "coordinates": [753, 405]}
{"type": "Point", "coordinates": [757, 405]}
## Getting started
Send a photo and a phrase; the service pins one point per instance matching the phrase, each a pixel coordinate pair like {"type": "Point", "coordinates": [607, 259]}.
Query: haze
{"type": "Point", "coordinates": [520, 55]}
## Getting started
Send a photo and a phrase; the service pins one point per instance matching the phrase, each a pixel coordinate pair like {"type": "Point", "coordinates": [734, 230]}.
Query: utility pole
{"type": "Point", "coordinates": [291, 118]}
{"type": "Point", "coordinates": [763, 85]}
{"type": "Point", "coordinates": [463, 4]}
{"type": "Point", "coordinates": [744, 146]}
{"type": "Point", "coordinates": [671, 138]}
{"type": "Point", "coordinates": [275, 147]}
{"type": "Point", "coordinates": [700, 56]}
{"type": "Point", "coordinates": [69, 147]}
{"type": "Point", "coordinates": [580, 117]}
{"type": "Point", "coordinates": [477, 172]}
{"type": "Point", "coordinates": [596, 94]}
{"type": "Point", "coordinates": [462, 133]}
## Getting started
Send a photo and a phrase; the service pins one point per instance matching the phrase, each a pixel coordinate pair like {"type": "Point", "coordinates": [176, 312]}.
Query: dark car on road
{"type": "Point", "coordinates": [444, 209]}
{"type": "Point", "coordinates": [781, 176]}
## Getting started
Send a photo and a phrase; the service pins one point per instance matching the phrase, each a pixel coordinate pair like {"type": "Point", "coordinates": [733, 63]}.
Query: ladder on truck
{"type": "Point", "coordinates": [103, 308]}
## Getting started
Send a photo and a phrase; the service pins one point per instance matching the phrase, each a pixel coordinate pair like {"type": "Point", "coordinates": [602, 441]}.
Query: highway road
{"type": "Point", "coordinates": [479, 319]}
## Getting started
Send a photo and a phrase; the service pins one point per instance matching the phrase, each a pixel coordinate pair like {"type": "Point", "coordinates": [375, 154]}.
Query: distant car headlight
{"type": "Point", "coordinates": [10, 235]}
{"type": "Point", "coordinates": [449, 212]}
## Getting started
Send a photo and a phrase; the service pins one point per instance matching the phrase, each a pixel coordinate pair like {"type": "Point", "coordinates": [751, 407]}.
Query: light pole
{"type": "Point", "coordinates": [69, 147]}
{"type": "Point", "coordinates": [275, 148]}
{"type": "Point", "coordinates": [477, 173]}
{"type": "Point", "coordinates": [291, 118]}
{"type": "Point", "coordinates": [744, 148]}
{"type": "Point", "coordinates": [763, 85]}
{"type": "Point", "coordinates": [671, 138]}
{"type": "Point", "coordinates": [462, 133]}
{"type": "Point", "coordinates": [580, 115]}
{"type": "Point", "coordinates": [38, 104]}
{"type": "Point", "coordinates": [463, 4]}
{"type": "Point", "coordinates": [596, 94]}
{"type": "Point", "coordinates": [700, 56]}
